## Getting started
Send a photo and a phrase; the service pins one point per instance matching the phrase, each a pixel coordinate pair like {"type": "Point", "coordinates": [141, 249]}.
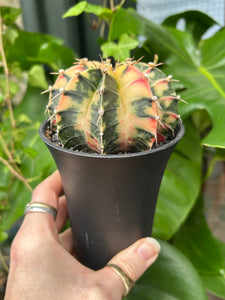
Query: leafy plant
{"type": "Point", "coordinates": [199, 65]}
{"type": "Point", "coordinates": [24, 161]}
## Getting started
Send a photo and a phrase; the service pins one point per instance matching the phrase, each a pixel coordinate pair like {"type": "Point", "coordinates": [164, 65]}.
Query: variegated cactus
{"type": "Point", "coordinates": [94, 107]}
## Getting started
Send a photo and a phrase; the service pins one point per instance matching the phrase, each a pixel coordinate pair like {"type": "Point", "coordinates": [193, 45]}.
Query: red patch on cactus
{"type": "Point", "coordinates": [93, 143]}
{"type": "Point", "coordinates": [160, 138]}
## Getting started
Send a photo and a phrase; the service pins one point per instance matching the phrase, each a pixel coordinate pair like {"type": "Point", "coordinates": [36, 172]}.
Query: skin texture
{"type": "Point", "coordinates": [43, 265]}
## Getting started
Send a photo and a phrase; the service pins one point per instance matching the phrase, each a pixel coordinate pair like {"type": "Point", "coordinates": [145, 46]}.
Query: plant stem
{"type": "Point", "coordinates": [10, 157]}
{"type": "Point", "coordinates": [102, 30]}
{"type": "Point", "coordinates": [6, 70]}
{"type": "Point", "coordinates": [112, 5]}
{"type": "Point", "coordinates": [3, 261]}
{"type": "Point", "coordinates": [122, 3]}
{"type": "Point", "coordinates": [15, 173]}
{"type": "Point", "coordinates": [5, 149]}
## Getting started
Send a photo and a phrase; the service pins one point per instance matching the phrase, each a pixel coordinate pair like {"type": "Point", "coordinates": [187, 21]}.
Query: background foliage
{"type": "Point", "coordinates": [192, 260]}
{"type": "Point", "coordinates": [26, 59]}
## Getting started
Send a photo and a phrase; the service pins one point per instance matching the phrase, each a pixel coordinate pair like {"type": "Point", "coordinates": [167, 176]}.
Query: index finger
{"type": "Point", "coordinates": [47, 192]}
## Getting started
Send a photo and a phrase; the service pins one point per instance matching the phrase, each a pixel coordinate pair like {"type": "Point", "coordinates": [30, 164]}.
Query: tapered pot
{"type": "Point", "coordinates": [111, 199]}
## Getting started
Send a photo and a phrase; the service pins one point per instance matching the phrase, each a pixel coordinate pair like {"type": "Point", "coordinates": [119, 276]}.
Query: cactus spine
{"type": "Point", "coordinates": [94, 107]}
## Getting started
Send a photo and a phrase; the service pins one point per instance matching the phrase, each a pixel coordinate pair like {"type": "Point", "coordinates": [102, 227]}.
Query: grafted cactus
{"type": "Point", "coordinates": [95, 107]}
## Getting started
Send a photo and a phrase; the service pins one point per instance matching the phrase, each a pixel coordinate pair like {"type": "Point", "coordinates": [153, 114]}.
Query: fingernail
{"type": "Point", "coordinates": [148, 249]}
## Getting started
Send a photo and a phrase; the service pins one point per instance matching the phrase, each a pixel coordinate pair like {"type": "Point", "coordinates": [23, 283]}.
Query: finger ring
{"type": "Point", "coordinates": [41, 207]}
{"type": "Point", "coordinates": [128, 283]}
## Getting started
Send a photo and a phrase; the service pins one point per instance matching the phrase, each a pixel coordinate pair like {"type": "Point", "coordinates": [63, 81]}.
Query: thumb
{"type": "Point", "coordinates": [134, 261]}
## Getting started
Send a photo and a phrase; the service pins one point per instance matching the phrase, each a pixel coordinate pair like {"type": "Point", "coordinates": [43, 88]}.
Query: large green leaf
{"type": "Point", "coordinates": [196, 22]}
{"type": "Point", "coordinates": [36, 77]}
{"type": "Point", "coordinates": [180, 185]}
{"type": "Point", "coordinates": [172, 277]}
{"type": "Point", "coordinates": [215, 283]}
{"type": "Point", "coordinates": [205, 86]}
{"type": "Point", "coordinates": [195, 240]}
{"type": "Point", "coordinates": [54, 55]}
{"type": "Point", "coordinates": [27, 46]}
{"type": "Point", "coordinates": [200, 67]}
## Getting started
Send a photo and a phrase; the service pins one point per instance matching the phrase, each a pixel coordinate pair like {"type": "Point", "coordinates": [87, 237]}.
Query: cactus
{"type": "Point", "coordinates": [95, 107]}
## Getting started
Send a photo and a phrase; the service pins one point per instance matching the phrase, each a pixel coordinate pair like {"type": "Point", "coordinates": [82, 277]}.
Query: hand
{"type": "Point", "coordinates": [42, 265]}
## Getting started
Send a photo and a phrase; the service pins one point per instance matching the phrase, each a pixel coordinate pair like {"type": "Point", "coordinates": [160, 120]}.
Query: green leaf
{"type": "Point", "coordinates": [75, 10]}
{"type": "Point", "coordinates": [3, 236]}
{"type": "Point", "coordinates": [123, 23]}
{"type": "Point", "coordinates": [1, 98]}
{"type": "Point", "coordinates": [19, 196]}
{"type": "Point", "coordinates": [171, 277]}
{"type": "Point", "coordinates": [195, 240]}
{"type": "Point", "coordinates": [98, 10]}
{"type": "Point", "coordinates": [18, 134]}
{"type": "Point", "coordinates": [10, 14]}
{"type": "Point", "coordinates": [23, 118]}
{"type": "Point", "coordinates": [219, 155]}
{"type": "Point", "coordinates": [33, 106]}
{"type": "Point", "coordinates": [215, 283]}
{"type": "Point", "coordinates": [214, 88]}
{"type": "Point", "coordinates": [10, 35]}
{"type": "Point", "coordinates": [200, 67]}
{"type": "Point", "coordinates": [195, 22]}
{"type": "Point", "coordinates": [16, 71]}
{"type": "Point", "coordinates": [121, 50]}
{"type": "Point", "coordinates": [31, 152]}
{"type": "Point", "coordinates": [28, 45]}
{"type": "Point", "coordinates": [202, 121]}
{"type": "Point", "coordinates": [84, 6]}
{"type": "Point", "coordinates": [180, 185]}
{"type": "Point", "coordinates": [54, 55]}
{"type": "Point", "coordinates": [36, 77]}
{"type": "Point", "coordinates": [13, 86]}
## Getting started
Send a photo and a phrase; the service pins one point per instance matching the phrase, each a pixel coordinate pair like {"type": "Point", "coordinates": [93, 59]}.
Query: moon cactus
{"type": "Point", "coordinates": [95, 107]}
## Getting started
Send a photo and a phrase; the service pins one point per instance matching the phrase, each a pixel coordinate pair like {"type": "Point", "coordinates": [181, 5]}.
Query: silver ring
{"type": "Point", "coordinates": [41, 207]}
{"type": "Point", "coordinates": [127, 281]}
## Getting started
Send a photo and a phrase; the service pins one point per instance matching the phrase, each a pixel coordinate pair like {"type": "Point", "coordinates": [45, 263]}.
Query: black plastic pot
{"type": "Point", "coordinates": [111, 199]}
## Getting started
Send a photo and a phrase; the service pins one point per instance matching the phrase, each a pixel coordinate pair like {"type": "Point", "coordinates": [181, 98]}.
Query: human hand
{"type": "Point", "coordinates": [42, 265]}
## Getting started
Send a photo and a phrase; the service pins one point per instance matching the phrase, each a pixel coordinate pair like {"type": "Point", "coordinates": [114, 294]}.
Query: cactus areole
{"type": "Point", "coordinates": [97, 108]}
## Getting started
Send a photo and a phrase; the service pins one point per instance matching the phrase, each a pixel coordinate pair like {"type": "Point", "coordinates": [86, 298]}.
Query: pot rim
{"type": "Point", "coordinates": [179, 132]}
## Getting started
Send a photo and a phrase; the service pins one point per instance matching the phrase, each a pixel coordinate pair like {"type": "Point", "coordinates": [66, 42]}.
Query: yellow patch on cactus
{"type": "Point", "coordinates": [160, 87]}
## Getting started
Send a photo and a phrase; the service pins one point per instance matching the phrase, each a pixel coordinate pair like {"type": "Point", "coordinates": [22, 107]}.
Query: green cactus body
{"type": "Point", "coordinates": [97, 108]}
